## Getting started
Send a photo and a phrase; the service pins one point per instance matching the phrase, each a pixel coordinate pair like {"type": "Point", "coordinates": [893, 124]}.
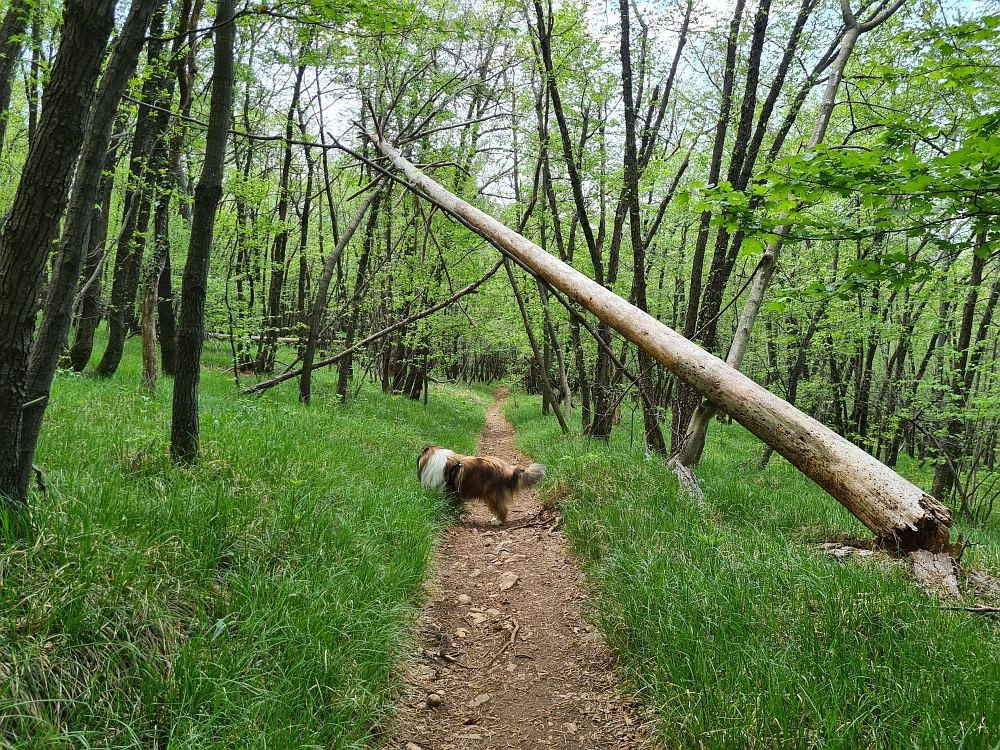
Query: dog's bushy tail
{"type": "Point", "coordinates": [532, 476]}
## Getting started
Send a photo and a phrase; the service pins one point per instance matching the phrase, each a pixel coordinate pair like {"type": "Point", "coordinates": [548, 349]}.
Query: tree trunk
{"type": "Point", "coordinates": [50, 341]}
{"type": "Point", "coordinates": [128, 254]}
{"type": "Point", "coordinates": [269, 336]}
{"type": "Point", "coordinates": [567, 394]}
{"type": "Point", "coordinates": [346, 364]}
{"type": "Point", "coordinates": [90, 302]}
{"type": "Point", "coordinates": [34, 79]}
{"type": "Point", "coordinates": [11, 39]}
{"type": "Point", "coordinates": [184, 433]}
{"type": "Point", "coordinates": [147, 318]}
{"type": "Point", "coordinates": [33, 226]}
{"type": "Point", "coordinates": [167, 326]}
{"type": "Point", "coordinates": [322, 292]}
{"type": "Point", "coordinates": [650, 414]}
{"type": "Point", "coordinates": [539, 363]}
{"type": "Point", "coordinates": [185, 67]}
{"type": "Point", "coordinates": [893, 508]}
{"type": "Point", "coordinates": [685, 399]}
{"type": "Point", "coordinates": [961, 382]}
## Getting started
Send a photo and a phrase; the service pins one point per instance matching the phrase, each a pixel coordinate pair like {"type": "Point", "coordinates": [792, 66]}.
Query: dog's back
{"type": "Point", "coordinates": [486, 478]}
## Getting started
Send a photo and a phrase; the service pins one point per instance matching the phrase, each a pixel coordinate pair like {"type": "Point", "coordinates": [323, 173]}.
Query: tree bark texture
{"type": "Point", "coordinates": [893, 508]}
{"type": "Point", "coordinates": [33, 226]}
{"type": "Point", "coordinates": [685, 400]}
{"type": "Point", "coordinates": [650, 414]}
{"type": "Point", "coordinates": [184, 433]}
{"type": "Point", "coordinates": [72, 249]}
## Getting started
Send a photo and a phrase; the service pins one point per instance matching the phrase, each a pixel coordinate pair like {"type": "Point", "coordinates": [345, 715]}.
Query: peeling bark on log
{"type": "Point", "coordinates": [890, 506]}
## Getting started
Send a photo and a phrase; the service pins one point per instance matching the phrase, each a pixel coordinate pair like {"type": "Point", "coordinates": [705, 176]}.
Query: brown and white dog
{"type": "Point", "coordinates": [485, 478]}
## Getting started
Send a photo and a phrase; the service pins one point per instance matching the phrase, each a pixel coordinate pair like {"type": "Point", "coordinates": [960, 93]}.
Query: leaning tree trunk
{"type": "Point", "coordinates": [893, 508]}
{"type": "Point", "coordinates": [322, 290]}
{"type": "Point", "coordinates": [184, 434]}
{"type": "Point", "coordinates": [693, 443]}
{"type": "Point", "coordinates": [57, 317]}
{"type": "Point", "coordinates": [33, 226]}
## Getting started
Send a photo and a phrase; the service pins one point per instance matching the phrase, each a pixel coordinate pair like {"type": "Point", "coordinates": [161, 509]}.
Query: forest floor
{"type": "Point", "coordinates": [508, 658]}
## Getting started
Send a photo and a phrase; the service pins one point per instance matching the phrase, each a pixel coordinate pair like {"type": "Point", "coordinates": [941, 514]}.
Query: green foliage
{"type": "Point", "coordinates": [737, 630]}
{"type": "Point", "coordinates": [259, 599]}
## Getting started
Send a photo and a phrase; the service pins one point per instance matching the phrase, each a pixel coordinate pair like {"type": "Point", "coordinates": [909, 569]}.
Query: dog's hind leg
{"type": "Point", "coordinates": [497, 504]}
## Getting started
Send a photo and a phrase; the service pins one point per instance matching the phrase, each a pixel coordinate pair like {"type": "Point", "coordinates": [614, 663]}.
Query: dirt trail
{"type": "Point", "coordinates": [514, 666]}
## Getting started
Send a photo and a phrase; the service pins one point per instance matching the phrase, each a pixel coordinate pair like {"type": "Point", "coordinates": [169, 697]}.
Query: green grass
{"type": "Point", "coordinates": [262, 598]}
{"type": "Point", "coordinates": [737, 630]}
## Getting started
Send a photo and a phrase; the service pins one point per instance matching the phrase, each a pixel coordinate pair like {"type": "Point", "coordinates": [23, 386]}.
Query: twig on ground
{"type": "Point", "coordinates": [508, 644]}
{"type": "Point", "coordinates": [976, 610]}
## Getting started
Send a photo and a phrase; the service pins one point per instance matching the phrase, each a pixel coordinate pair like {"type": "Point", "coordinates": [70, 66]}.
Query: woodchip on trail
{"type": "Point", "coordinates": [505, 647]}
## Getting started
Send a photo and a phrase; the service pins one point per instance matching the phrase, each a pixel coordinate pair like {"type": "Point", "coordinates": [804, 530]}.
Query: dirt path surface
{"type": "Point", "coordinates": [508, 660]}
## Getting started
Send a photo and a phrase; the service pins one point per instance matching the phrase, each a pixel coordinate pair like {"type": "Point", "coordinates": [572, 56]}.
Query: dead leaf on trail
{"type": "Point", "coordinates": [480, 700]}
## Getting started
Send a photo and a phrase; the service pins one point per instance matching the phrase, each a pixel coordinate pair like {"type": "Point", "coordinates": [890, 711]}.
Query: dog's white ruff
{"type": "Point", "coordinates": [432, 477]}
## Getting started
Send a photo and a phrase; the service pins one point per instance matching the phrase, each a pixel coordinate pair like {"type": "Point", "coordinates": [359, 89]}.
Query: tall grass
{"type": "Point", "coordinates": [261, 598]}
{"type": "Point", "coordinates": [738, 631]}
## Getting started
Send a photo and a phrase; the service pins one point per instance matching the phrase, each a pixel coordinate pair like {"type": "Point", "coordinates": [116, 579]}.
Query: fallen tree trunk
{"type": "Point", "coordinates": [895, 510]}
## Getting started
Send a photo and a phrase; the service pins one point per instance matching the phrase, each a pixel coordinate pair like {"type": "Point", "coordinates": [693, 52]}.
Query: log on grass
{"type": "Point", "coordinates": [896, 511]}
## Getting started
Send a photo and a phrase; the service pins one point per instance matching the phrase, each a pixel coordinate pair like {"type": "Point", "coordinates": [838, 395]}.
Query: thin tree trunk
{"type": "Point", "coordinates": [11, 40]}
{"type": "Point", "coordinates": [685, 399]}
{"type": "Point", "coordinates": [33, 226]}
{"type": "Point", "coordinates": [322, 292]}
{"type": "Point", "coordinates": [550, 328]}
{"type": "Point", "coordinates": [90, 303]}
{"type": "Point", "coordinates": [185, 67]}
{"type": "Point", "coordinates": [546, 385]}
{"type": "Point", "coordinates": [34, 80]}
{"type": "Point", "coordinates": [128, 254]}
{"type": "Point", "coordinates": [650, 414]}
{"type": "Point", "coordinates": [269, 336]}
{"type": "Point", "coordinates": [345, 366]}
{"type": "Point", "coordinates": [184, 433]}
{"type": "Point", "coordinates": [161, 250]}
{"type": "Point", "coordinates": [961, 381]}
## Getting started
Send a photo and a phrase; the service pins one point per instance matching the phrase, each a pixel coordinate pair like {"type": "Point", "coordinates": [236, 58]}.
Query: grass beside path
{"type": "Point", "coordinates": [737, 630]}
{"type": "Point", "coordinates": [259, 599]}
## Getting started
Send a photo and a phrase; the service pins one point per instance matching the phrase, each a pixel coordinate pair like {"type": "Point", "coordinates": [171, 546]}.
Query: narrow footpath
{"type": "Point", "coordinates": [507, 658]}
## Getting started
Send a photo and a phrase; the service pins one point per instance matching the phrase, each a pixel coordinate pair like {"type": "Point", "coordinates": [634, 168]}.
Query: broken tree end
{"type": "Point", "coordinates": [931, 533]}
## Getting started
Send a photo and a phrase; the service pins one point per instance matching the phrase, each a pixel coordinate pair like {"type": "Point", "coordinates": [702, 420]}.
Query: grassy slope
{"type": "Point", "coordinates": [738, 631]}
{"type": "Point", "coordinates": [259, 599]}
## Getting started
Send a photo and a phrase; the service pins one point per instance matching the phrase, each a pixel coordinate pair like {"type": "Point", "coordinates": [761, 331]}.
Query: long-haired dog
{"type": "Point", "coordinates": [485, 478]}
